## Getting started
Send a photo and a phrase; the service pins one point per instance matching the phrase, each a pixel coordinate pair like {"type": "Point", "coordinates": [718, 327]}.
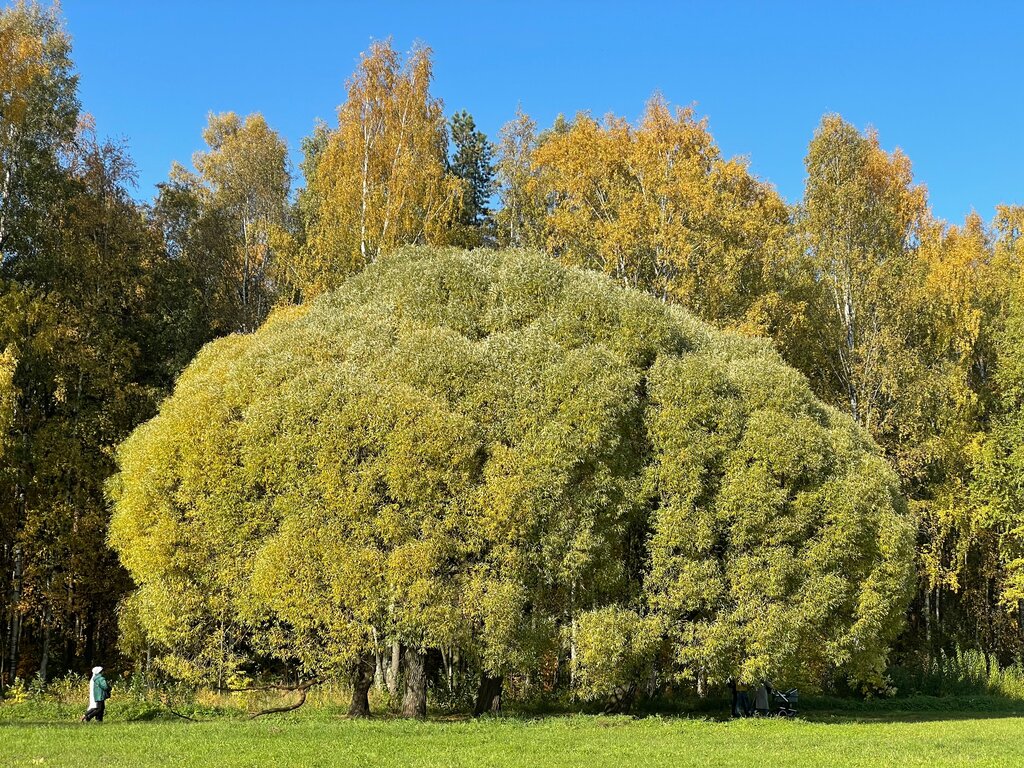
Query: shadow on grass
{"type": "Point", "coordinates": [868, 718]}
{"type": "Point", "coordinates": [43, 724]}
{"type": "Point", "coordinates": [912, 709]}
{"type": "Point", "coordinates": [817, 709]}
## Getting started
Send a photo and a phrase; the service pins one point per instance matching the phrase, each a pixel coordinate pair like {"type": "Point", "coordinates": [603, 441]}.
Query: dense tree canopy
{"type": "Point", "coordinates": [227, 215]}
{"type": "Point", "coordinates": [491, 453]}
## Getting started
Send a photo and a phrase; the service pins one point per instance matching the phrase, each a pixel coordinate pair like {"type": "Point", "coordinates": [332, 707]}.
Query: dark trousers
{"type": "Point", "coordinates": [743, 703]}
{"type": "Point", "coordinates": [96, 712]}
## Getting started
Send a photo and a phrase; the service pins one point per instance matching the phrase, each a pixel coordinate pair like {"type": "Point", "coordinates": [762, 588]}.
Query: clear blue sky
{"type": "Point", "coordinates": [942, 81]}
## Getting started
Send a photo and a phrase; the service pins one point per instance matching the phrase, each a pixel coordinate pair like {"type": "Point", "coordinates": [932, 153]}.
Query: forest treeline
{"type": "Point", "coordinates": [911, 325]}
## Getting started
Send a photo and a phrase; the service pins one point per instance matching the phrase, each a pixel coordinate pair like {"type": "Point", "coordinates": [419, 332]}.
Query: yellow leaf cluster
{"type": "Point", "coordinates": [382, 180]}
{"type": "Point", "coordinates": [654, 206]}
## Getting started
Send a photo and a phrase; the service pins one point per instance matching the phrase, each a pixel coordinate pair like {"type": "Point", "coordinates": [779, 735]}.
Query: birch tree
{"type": "Point", "coordinates": [242, 179]}
{"type": "Point", "coordinates": [860, 215]}
{"type": "Point", "coordinates": [382, 180]}
{"type": "Point", "coordinates": [38, 116]}
{"type": "Point", "coordinates": [521, 214]}
{"type": "Point", "coordinates": [653, 205]}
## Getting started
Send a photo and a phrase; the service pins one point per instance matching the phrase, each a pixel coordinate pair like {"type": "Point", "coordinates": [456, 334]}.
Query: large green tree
{"type": "Point", "coordinates": [492, 456]}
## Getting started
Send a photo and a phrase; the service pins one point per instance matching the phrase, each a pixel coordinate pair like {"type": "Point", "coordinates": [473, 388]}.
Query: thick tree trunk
{"type": "Point", "coordinates": [622, 700]}
{"type": "Point", "coordinates": [414, 704]}
{"type": "Point", "coordinates": [362, 679]}
{"type": "Point", "coordinates": [488, 695]}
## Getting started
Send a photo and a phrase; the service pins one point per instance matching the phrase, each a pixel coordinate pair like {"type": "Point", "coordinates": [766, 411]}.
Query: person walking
{"type": "Point", "coordinates": [99, 692]}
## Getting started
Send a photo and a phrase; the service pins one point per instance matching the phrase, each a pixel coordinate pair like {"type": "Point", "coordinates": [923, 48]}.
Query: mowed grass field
{"type": "Point", "coordinates": [553, 741]}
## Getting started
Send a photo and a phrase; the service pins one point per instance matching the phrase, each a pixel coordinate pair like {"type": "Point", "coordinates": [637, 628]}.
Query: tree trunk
{"type": "Point", "coordinates": [45, 653]}
{"type": "Point", "coordinates": [652, 683]}
{"type": "Point", "coordinates": [392, 674]}
{"type": "Point", "coordinates": [928, 626]}
{"type": "Point", "coordinates": [1020, 630]}
{"type": "Point", "coordinates": [362, 679]}
{"type": "Point", "coordinates": [414, 704]}
{"type": "Point", "coordinates": [378, 671]}
{"type": "Point", "coordinates": [572, 656]}
{"type": "Point", "coordinates": [621, 700]}
{"type": "Point", "coordinates": [15, 622]}
{"type": "Point", "coordinates": [89, 634]}
{"type": "Point", "coordinates": [488, 695]}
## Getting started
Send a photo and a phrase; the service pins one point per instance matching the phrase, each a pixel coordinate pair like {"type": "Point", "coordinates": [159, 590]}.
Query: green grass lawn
{"type": "Point", "coordinates": [946, 739]}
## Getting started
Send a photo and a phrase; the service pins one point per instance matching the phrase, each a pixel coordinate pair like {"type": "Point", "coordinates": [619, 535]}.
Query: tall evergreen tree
{"type": "Point", "coordinates": [472, 161]}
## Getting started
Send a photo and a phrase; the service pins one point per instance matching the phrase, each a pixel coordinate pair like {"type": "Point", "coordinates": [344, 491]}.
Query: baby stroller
{"type": "Point", "coordinates": [784, 702]}
{"type": "Point", "coordinates": [771, 702]}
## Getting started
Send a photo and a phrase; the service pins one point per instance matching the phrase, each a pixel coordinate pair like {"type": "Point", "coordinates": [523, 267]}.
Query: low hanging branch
{"type": "Point", "coordinates": [302, 688]}
{"type": "Point", "coordinates": [183, 717]}
{"type": "Point", "coordinates": [164, 702]}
